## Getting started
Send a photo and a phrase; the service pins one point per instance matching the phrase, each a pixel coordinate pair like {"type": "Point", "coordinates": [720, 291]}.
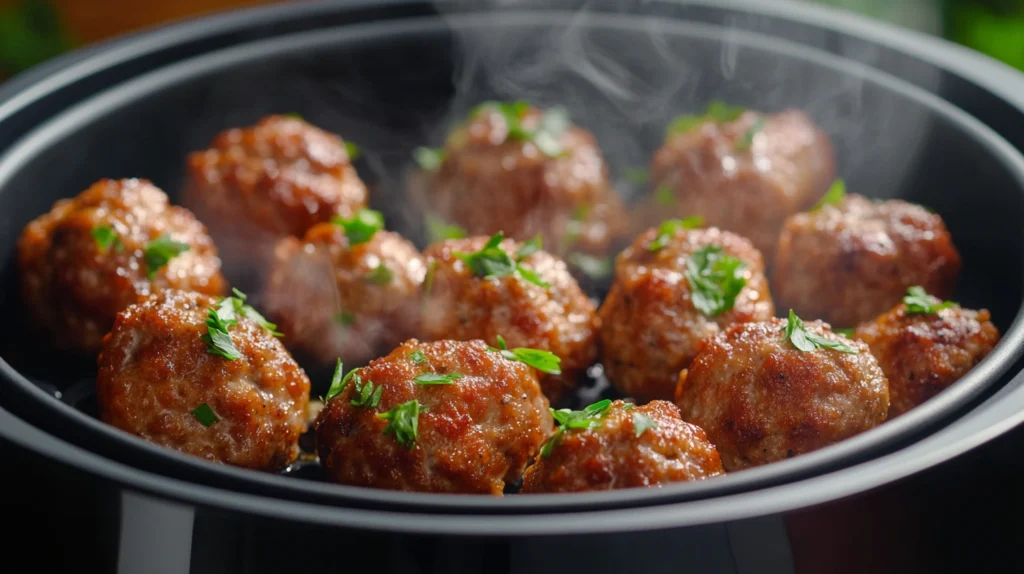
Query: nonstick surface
{"type": "Point", "coordinates": [395, 85]}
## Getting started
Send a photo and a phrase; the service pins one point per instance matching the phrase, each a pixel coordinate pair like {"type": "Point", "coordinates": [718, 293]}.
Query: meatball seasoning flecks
{"type": "Point", "coordinates": [761, 399]}
{"type": "Point", "coordinates": [446, 416]}
{"type": "Point", "coordinates": [627, 446]}
{"type": "Point", "coordinates": [512, 167]}
{"type": "Point", "coordinates": [257, 184]}
{"type": "Point", "coordinates": [164, 376]}
{"type": "Point", "coordinates": [850, 261]}
{"type": "Point", "coordinates": [743, 171]}
{"type": "Point", "coordinates": [650, 326]}
{"type": "Point", "coordinates": [923, 351]}
{"type": "Point", "coordinates": [338, 293]}
{"type": "Point", "coordinates": [94, 255]}
{"type": "Point", "coordinates": [530, 299]}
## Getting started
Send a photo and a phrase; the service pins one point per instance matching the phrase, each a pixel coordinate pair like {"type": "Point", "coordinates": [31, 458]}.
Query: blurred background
{"type": "Point", "coordinates": [32, 31]}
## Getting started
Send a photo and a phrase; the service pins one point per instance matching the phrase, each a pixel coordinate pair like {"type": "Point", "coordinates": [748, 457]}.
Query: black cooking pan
{"type": "Point", "coordinates": [910, 117]}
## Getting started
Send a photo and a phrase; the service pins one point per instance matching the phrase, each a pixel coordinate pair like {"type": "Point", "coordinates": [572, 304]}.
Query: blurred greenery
{"type": "Point", "coordinates": [31, 31]}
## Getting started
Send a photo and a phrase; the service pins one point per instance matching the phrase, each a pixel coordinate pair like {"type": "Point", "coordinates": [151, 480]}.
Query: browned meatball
{"type": "Point", "coordinates": [739, 177]}
{"type": "Point", "coordinates": [923, 353]}
{"type": "Point", "coordinates": [852, 261]}
{"type": "Point", "coordinates": [512, 167]}
{"type": "Point", "coordinates": [461, 304]}
{"type": "Point", "coordinates": [760, 399]}
{"type": "Point", "coordinates": [650, 326]}
{"type": "Point", "coordinates": [95, 254]}
{"type": "Point", "coordinates": [160, 380]}
{"type": "Point", "coordinates": [255, 185]}
{"type": "Point", "coordinates": [397, 425]}
{"type": "Point", "coordinates": [628, 447]}
{"type": "Point", "coordinates": [336, 298]}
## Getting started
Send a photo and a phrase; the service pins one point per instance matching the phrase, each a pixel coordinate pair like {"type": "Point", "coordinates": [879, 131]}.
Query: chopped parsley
{"type": "Point", "coordinates": [337, 382]}
{"type": "Point", "coordinates": [492, 261]}
{"type": "Point", "coordinates": [436, 378]}
{"type": "Point", "coordinates": [668, 229]}
{"type": "Point", "coordinates": [428, 158]}
{"type": "Point", "coordinates": [836, 192]}
{"type": "Point", "coordinates": [642, 423]}
{"type": "Point", "coordinates": [543, 361]}
{"type": "Point", "coordinates": [715, 280]}
{"type": "Point", "coordinates": [381, 274]}
{"type": "Point", "coordinates": [663, 195]}
{"type": "Point", "coordinates": [593, 267]}
{"type": "Point", "coordinates": [919, 302]}
{"type": "Point", "coordinates": [365, 395]}
{"type": "Point", "coordinates": [105, 237]}
{"type": "Point", "coordinates": [636, 175]}
{"type": "Point", "coordinates": [205, 415]}
{"type": "Point", "coordinates": [428, 280]}
{"type": "Point", "coordinates": [217, 338]}
{"type": "Point", "coordinates": [439, 229]}
{"type": "Point", "coordinates": [353, 151]}
{"type": "Point", "coordinates": [805, 340]}
{"type": "Point", "coordinates": [529, 247]}
{"type": "Point", "coordinates": [404, 422]}
{"type": "Point", "coordinates": [345, 318]}
{"type": "Point", "coordinates": [231, 308]}
{"type": "Point", "coordinates": [590, 417]}
{"type": "Point", "coordinates": [161, 250]}
{"type": "Point", "coordinates": [361, 227]}
{"type": "Point", "coordinates": [748, 136]}
{"type": "Point", "coordinates": [575, 226]}
{"type": "Point", "coordinates": [848, 333]}
{"type": "Point", "coordinates": [417, 357]}
{"type": "Point", "coordinates": [716, 111]}
{"type": "Point", "coordinates": [546, 135]}
{"type": "Point", "coordinates": [294, 115]}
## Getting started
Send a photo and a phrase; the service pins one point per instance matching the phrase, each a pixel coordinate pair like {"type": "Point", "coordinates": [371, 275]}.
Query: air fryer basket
{"type": "Point", "coordinates": [391, 76]}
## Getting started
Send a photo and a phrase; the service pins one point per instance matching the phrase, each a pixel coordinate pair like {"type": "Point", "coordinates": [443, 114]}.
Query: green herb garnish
{"type": "Point", "coordinates": [848, 333]}
{"type": "Point", "coordinates": [636, 175]}
{"type": "Point", "coordinates": [381, 275]}
{"type": "Point", "coordinates": [588, 418]}
{"type": "Point", "coordinates": [439, 229]}
{"type": "Point", "coordinates": [642, 423]}
{"type": "Point", "coordinates": [161, 250]}
{"type": "Point", "coordinates": [353, 151]}
{"type": "Point", "coordinates": [404, 422]}
{"type": "Point", "coordinates": [205, 415]}
{"type": "Point", "coordinates": [593, 267]}
{"type": "Point", "coordinates": [663, 195]}
{"type": "Point", "coordinates": [217, 338]}
{"type": "Point", "coordinates": [544, 361]}
{"type": "Point", "coordinates": [337, 382]}
{"type": "Point", "coordinates": [365, 395]}
{"type": "Point", "coordinates": [361, 227]}
{"type": "Point", "coordinates": [294, 115]}
{"type": "Point", "coordinates": [429, 159]}
{"type": "Point", "coordinates": [748, 136]}
{"type": "Point", "coordinates": [106, 237]}
{"type": "Point", "coordinates": [345, 318]}
{"type": "Point", "coordinates": [231, 308]}
{"type": "Point", "coordinates": [417, 357]}
{"type": "Point", "coordinates": [436, 378]}
{"type": "Point", "coordinates": [546, 136]}
{"type": "Point", "coordinates": [529, 247]}
{"type": "Point", "coordinates": [918, 301]}
{"type": "Point", "coordinates": [716, 111]}
{"type": "Point", "coordinates": [805, 340]}
{"type": "Point", "coordinates": [669, 228]}
{"type": "Point", "coordinates": [836, 192]}
{"type": "Point", "coordinates": [492, 261]}
{"type": "Point", "coordinates": [715, 280]}
{"type": "Point", "coordinates": [428, 280]}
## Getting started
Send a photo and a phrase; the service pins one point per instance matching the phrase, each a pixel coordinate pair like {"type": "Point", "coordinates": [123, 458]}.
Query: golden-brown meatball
{"type": "Point", "coordinates": [232, 395]}
{"type": "Point", "coordinates": [446, 416]}
{"type": "Point", "coordinates": [761, 399]}
{"type": "Point", "coordinates": [257, 184]}
{"type": "Point", "coordinates": [627, 447]}
{"type": "Point", "coordinates": [924, 352]}
{"type": "Point", "coordinates": [512, 167]}
{"type": "Point", "coordinates": [745, 172]}
{"type": "Point", "coordinates": [95, 254]}
{"type": "Point", "coordinates": [653, 321]}
{"type": "Point", "coordinates": [851, 261]}
{"type": "Point", "coordinates": [462, 302]}
{"type": "Point", "coordinates": [338, 294]}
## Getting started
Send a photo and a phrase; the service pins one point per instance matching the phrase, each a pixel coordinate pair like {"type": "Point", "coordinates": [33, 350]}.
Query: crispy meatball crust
{"type": "Point", "coordinates": [761, 400]}
{"type": "Point", "coordinates": [461, 306]}
{"type": "Point", "coordinates": [850, 262]}
{"type": "Point", "coordinates": [612, 455]}
{"type": "Point", "coordinates": [747, 190]}
{"type": "Point", "coordinates": [650, 329]}
{"type": "Point", "coordinates": [257, 184]}
{"type": "Point", "coordinates": [72, 288]}
{"type": "Point", "coordinates": [922, 354]}
{"type": "Point", "coordinates": [476, 434]}
{"type": "Point", "coordinates": [333, 302]}
{"type": "Point", "coordinates": [489, 183]}
{"type": "Point", "coordinates": [154, 370]}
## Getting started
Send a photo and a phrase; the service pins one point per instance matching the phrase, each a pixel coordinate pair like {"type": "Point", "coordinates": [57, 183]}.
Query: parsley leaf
{"type": "Point", "coordinates": [546, 135]}
{"type": "Point", "coordinates": [669, 228]}
{"type": "Point", "coordinates": [231, 308]}
{"type": "Point", "coordinates": [836, 192]}
{"type": "Point", "coordinates": [417, 357]}
{"type": "Point", "coordinates": [588, 418]}
{"type": "Point", "coordinates": [529, 247]}
{"type": "Point", "coordinates": [805, 340]}
{"type": "Point", "coordinates": [918, 301]}
{"type": "Point", "coordinates": [436, 378]}
{"type": "Point", "coordinates": [642, 423]}
{"type": "Point", "coordinates": [593, 267]}
{"type": "Point", "coordinates": [218, 340]}
{"type": "Point", "coordinates": [205, 415]}
{"type": "Point", "coordinates": [404, 422]}
{"type": "Point", "coordinates": [337, 383]}
{"type": "Point", "coordinates": [532, 276]}
{"type": "Point", "coordinates": [848, 333]}
{"type": "Point", "coordinates": [492, 261]}
{"type": "Point", "coordinates": [345, 318]}
{"type": "Point", "coordinates": [636, 175]}
{"type": "Point", "coordinates": [439, 229]}
{"type": "Point", "coordinates": [106, 237]}
{"type": "Point", "coordinates": [429, 159]}
{"type": "Point", "coordinates": [663, 195]}
{"type": "Point", "coordinates": [161, 250]}
{"type": "Point", "coordinates": [748, 136]}
{"type": "Point", "coordinates": [294, 115]}
{"type": "Point", "coordinates": [353, 151]}
{"type": "Point", "coordinates": [361, 227]}
{"type": "Point", "coordinates": [716, 111]}
{"type": "Point", "coordinates": [543, 361]}
{"type": "Point", "coordinates": [381, 275]}
{"type": "Point", "coordinates": [715, 280]}
{"type": "Point", "coordinates": [428, 280]}
{"type": "Point", "coordinates": [365, 394]}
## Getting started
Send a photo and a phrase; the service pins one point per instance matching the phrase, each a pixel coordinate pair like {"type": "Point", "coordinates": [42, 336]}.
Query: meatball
{"type": "Point", "coordinates": [515, 168]}
{"type": "Point", "coordinates": [339, 297]}
{"type": "Point", "coordinates": [255, 185]}
{"type": "Point", "coordinates": [923, 353]}
{"type": "Point", "coordinates": [851, 261]}
{"type": "Point", "coordinates": [446, 416]}
{"type": "Point", "coordinates": [93, 255]}
{"type": "Point", "coordinates": [170, 378]}
{"type": "Point", "coordinates": [744, 173]}
{"type": "Point", "coordinates": [761, 399]}
{"type": "Point", "coordinates": [651, 326]}
{"type": "Point", "coordinates": [629, 447]}
{"type": "Point", "coordinates": [539, 305]}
